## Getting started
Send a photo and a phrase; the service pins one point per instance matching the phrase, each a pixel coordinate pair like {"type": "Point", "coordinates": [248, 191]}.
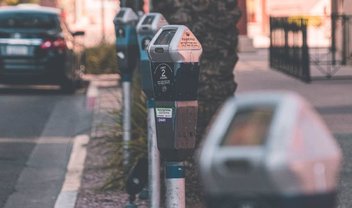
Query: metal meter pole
{"type": "Point", "coordinates": [126, 88]}
{"type": "Point", "coordinates": [175, 185]}
{"type": "Point", "coordinates": [123, 3]}
{"type": "Point", "coordinates": [154, 159]}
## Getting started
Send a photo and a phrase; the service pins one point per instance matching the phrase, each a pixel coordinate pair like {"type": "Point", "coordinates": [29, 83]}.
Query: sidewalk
{"type": "Point", "coordinates": [330, 97]}
{"type": "Point", "coordinates": [252, 72]}
{"type": "Point", "coordinates": [98, 167]}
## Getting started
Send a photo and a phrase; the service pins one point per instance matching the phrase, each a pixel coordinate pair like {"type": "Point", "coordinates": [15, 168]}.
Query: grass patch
{"type": "Point", "coordinates": [101, 59]}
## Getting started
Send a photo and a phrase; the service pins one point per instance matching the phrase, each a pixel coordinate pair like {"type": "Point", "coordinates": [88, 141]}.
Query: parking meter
{"type": "Point", "coordinates": [147, 27]}
{"type": "Point", "coordinates": [174, 53]}
{"type": "Point", "coordinates": [126, 42]}
{"type": "Point", "coordinates": [269, 149]}
{"type": "Point", "coordinates": [127, 56]}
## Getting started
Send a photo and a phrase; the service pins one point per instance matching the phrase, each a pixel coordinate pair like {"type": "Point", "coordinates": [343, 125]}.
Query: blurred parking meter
{"type": "Point", "coordinates": [269, 150]}
{"type": "Point", "coordinates": [147, 27]}
{"type": "Point", "coordinates": [174, 53]}
{"type": "Point", "coordinates": [127, 56]}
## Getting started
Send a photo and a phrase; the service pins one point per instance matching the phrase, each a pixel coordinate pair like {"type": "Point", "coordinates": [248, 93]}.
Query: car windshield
{"type": "Point", "coordinates": [21, 20]}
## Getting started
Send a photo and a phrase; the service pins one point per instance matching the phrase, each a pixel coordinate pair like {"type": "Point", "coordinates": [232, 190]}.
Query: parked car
{"type": "Point", "coordinates": [36, 47]}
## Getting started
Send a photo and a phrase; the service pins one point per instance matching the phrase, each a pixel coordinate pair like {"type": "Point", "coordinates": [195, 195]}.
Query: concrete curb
{"type": "Point", "coordinates": [69, 191]}
{"type": "Point", "coordinates": [68, 195]}
{"type": "Point", "coordinates": [92, 94]}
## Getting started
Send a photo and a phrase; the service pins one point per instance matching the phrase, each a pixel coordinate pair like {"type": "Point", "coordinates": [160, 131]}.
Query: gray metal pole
{"type": "Point", "coordinates": [154, 159]}
{"type": "Point", "coordinates": [103, 21]}
{"type": "Point", "coordinates": [175, 185]}
{"type": "Point", "coordinates": [123, 3]}
{"type": "Point", "coordinates": [126, 88]}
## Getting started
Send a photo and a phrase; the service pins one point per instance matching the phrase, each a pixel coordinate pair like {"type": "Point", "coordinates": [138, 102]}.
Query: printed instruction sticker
{"type": "Point", "coordinates": [189, 41]}
{"type": "Point", "coordinates": [163, 112]}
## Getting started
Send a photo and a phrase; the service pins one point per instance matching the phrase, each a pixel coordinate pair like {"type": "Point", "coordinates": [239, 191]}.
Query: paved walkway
{"type": "Point", "coordinates": [332, 98]}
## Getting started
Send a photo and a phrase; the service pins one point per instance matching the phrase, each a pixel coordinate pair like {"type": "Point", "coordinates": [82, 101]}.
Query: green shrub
{"type": "Point", "coordinates": [101, 59]}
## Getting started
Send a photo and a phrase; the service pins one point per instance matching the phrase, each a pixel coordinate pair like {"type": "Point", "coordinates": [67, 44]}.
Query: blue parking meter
{"type": "Point", "coordinates": [147, 27]}
{"type": "Point", "coordinates": [126, 42]}
{"type": "Point", "coordinates": [127, 56]}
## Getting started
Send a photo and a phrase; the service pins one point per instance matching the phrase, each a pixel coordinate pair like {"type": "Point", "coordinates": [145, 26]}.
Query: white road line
{"type": "Point", "coordinates": [44, 140]}
{"type": "Point", "coordinates": [92, 94]}
{"type": "Point", "coordinates": [68, 195]}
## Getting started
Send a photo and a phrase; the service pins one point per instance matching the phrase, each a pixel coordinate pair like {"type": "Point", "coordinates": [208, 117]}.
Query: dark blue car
{"type": "Point", "coordinates": [36, 47]}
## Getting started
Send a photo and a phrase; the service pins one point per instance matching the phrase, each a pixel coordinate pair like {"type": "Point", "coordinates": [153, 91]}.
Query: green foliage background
{"type": "Point", "coordinates": [101, 59]}
{"type": "Point", "coordinates": [138, 147]}
{"type": "Point", "coordinates": [15, 2]}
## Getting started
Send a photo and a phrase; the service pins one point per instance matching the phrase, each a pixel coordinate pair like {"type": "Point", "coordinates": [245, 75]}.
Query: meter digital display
{"type": "Point", "coordinates": [121, 13]}
{"type": "Point", "coordinates": [249, 127]}
{"type": "Point", "coordinates": [165, 37]}
{"type": "Point", "coordinates": [148, 20]}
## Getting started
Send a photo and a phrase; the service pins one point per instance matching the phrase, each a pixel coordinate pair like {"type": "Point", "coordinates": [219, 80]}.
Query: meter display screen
{"type": "Point", "coordinates": [120, 14]}
{"type": "Point", "coordinates": [148, 20]}
{"type": "Point", "coordinates": [165, 37]}
{"type": "Point", "coordinates": [249, 127]}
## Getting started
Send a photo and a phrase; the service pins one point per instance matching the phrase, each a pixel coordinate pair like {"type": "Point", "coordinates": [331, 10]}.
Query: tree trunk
{"type": "Point", "coordinates": [214, 24]}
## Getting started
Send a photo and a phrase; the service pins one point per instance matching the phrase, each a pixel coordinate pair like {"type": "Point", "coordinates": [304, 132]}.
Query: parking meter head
{"type": "Point", "coordinates": [270, 148]}
{"type": "Point", "coordinates": [126, 16]}
{"type": "Point", "coordinates": [150, 23]}
{"type": "Point", "coordinates": [126, 42]}
{"type": "Point", "coordinates": [174, 53]}
{"type": "Point", "coordinates": [176, 44]}
{"type": "Point", "coordinates": [147, 27]}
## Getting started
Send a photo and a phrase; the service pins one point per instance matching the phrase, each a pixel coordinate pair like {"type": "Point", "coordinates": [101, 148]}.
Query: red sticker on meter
{"type": "Point", "coordinates": [188, 41]}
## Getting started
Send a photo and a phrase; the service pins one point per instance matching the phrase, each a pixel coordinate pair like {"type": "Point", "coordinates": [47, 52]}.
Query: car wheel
{"type": "Point", "coordinates": [68, 86]}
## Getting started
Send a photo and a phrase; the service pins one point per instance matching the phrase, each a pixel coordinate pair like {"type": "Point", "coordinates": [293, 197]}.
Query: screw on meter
{"type": "Point", "coordinates": [121, 32]}
{"type": "Point", "coordinates": [145, 43]}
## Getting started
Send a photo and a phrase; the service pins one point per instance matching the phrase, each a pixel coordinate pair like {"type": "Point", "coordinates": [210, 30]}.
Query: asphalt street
{"type": "Point", "coordinates": [330, 97]}
{"type": "Point", "coordinates": [36, 131]}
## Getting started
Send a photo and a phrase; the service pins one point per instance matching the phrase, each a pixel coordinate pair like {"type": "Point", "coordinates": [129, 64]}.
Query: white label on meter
{"type": "Point", "coordinates": [163, 112]}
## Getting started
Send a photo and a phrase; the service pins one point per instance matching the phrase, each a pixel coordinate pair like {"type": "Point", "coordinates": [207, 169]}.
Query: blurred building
{"type": "Point", "coordinates": [342, 11]}
{"type": "Point", "coordinates": [323, 31]}
{"type": "Point", "coordinates": [258, 13]}
{"type": "Point", "coordinates": [49, 3]}
{"type": "Point", "coordinates": [342, 6]}
{"type": "Point", "coordinates": [95, 17]}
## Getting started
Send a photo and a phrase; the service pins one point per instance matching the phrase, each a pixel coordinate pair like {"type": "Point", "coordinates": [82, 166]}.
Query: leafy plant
{"type": "Point", "coordinates": [15, 2]}
{"type": "Point", "coordinates": [137, 146]}
{"type": "Point", "coordinates": [101, 59]}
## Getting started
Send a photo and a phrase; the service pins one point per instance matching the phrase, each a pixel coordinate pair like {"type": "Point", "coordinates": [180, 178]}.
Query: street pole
{"type": "Point", "coordinates": [102, 21]}
{"type": "Point", "coordinates": [175, 185]}
{"type": "Point", "coordinates": [153, 158]}
{"type": "Point", "coordinates": [136, 5]}
{"type": "Point", "coordinates": [126, 88]}
{"type": "Point", "coordinates": [123, 3]}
